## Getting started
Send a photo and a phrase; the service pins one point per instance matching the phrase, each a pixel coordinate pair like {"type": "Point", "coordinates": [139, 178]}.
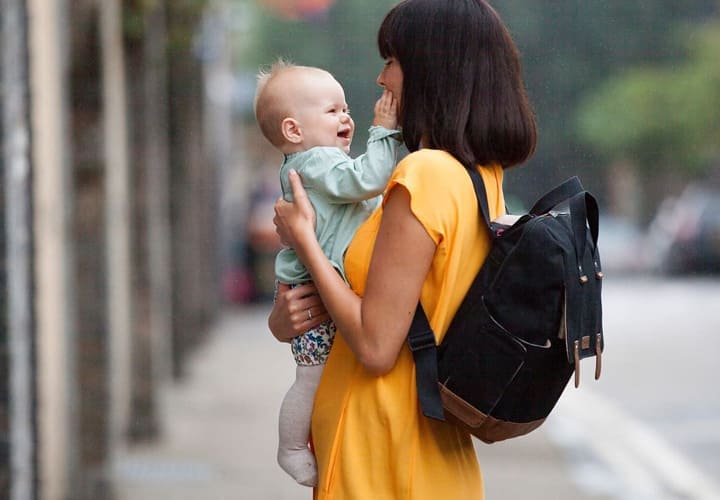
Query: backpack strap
{"type": "Point", "coordinates": [481, 195]}
{"type": "Point", "coordinates": [422, 344]}
{"type": "Point", "coordinates": [584, 213]}
{"type": "Point", "coordinates": [421, 338]}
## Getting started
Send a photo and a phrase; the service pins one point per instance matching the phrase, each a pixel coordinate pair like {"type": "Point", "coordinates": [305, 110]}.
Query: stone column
{"type": "Point", "coordinates": [54, 300]}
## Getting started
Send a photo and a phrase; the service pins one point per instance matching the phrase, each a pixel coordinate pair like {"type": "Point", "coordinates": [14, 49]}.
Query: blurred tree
{"type": "Point", "coordinates": [661, 116]}
{"type": "Point", "coordinates": [662, 122]}
{"type": "Point", "coordinates": [568, 49]}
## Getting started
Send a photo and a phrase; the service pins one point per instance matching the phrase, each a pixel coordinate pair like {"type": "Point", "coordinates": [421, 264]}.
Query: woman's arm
{"type": "Point", "coordinates": [375, 327]}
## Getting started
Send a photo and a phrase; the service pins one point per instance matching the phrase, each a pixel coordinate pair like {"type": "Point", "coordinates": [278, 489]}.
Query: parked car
{"type": "Point", "coordinates": [621, 244]}
{"type": "Point", "coordinates": [685, 233]}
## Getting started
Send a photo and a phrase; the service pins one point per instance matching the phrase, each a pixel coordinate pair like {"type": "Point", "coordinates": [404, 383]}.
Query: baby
{"type": "Point", "coordinates": [302, 111]}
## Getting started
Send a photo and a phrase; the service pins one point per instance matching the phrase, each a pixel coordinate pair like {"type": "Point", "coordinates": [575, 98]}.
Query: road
{"type": "Point", "coordinates": [650, 427]}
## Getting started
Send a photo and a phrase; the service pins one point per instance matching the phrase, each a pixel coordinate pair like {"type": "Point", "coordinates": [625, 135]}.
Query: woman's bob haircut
{"type": "Point", "coordinates": [462, 83]}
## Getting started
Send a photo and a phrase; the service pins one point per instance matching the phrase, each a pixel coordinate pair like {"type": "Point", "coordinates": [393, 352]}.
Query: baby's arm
{"type": "Point", "coordinates": [386, 111]}
{"type": "Point", "coordinates": [346, 180]}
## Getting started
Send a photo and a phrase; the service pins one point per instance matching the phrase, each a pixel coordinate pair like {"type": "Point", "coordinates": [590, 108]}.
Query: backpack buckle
{"type": "Point", "coordinates": [421, 340]}
{"type": "Point", "coordinates": [598, 356]}
{"type": "Point", "coordinates": [576, 356]}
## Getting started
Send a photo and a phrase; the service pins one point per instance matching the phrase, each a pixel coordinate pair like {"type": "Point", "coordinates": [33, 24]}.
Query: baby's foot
{"type": "Point", "coordinates": [300, 464]}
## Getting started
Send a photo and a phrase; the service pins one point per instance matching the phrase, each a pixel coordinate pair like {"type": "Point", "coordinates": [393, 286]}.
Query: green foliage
{"type": "Point", "coordinates": [660, 116]}
{"type": "Point", "coordinates": [568, 49]}
{"type": "Point", "coordinates": [571, 47]}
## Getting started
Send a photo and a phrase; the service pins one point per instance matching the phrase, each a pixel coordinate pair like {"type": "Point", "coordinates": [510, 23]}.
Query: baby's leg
{"type": "Point", "coordinates": [294, 456]}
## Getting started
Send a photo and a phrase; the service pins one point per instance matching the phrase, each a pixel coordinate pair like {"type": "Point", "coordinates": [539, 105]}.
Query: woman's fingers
{"type": "Point", "coordinates": [315, 321]}
{"type": "Point", "coordinates": [294, 220]}
{"type": "Point", "coordinates": [300, 196]}
{"type": "Point", "coordinates": [307, 319]}
{"type": "Point", "coordinates": [309, 309]}
{"type": "Point", "coordinates": [279, 228]}
{"type": "Point", "coordinates": [284, 321]}
{"type": "Point", "coordinates": [296, 310]}
{"type": "Point", "coordinates": [304, 298]}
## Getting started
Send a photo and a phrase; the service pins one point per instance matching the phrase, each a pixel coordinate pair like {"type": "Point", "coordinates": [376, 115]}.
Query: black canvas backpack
{"type": "Point", "coordinates": [531, 314]}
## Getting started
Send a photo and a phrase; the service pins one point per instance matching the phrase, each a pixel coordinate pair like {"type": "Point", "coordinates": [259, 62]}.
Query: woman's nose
{"type": "Point", "coordinates": [379, 80]}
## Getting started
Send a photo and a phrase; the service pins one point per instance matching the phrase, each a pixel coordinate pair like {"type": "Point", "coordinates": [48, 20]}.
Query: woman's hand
{"type": "Point", "coordinates": [296, 310]}
{"type": "Point", "coordinates": [295, 221]}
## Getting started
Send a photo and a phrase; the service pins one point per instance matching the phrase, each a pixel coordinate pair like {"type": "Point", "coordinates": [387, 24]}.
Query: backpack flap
{"type": "Point", "coordinates": [583, 286]}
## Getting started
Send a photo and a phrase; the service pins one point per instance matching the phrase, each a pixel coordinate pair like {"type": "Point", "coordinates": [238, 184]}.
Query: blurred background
{"type": "Point", "coordinates": [136, 266]}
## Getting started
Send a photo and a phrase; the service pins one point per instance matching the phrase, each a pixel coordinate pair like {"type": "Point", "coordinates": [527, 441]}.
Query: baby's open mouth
{"type": "Point", "coordinates": [345, 134]}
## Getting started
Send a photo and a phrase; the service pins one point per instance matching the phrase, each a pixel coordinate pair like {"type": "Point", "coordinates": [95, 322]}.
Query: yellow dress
{"type": "Point", "coordinates": [370, 437]}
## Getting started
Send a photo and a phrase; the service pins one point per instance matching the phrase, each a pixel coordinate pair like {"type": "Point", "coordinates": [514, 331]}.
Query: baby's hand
{"type": "Point", "coordinates": [386, 111]}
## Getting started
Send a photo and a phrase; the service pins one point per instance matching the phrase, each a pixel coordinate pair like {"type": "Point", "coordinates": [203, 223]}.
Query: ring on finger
{"type": "Point", "coordinates": [309, 315]}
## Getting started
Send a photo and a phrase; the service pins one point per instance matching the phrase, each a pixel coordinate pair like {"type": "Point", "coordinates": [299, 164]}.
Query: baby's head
{"type": "Point", "coordinates": [300, 107]}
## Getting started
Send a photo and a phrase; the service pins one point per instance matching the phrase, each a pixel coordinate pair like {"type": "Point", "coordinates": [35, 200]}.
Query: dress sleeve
{"type": "Point", "coordinates": [441, 190]}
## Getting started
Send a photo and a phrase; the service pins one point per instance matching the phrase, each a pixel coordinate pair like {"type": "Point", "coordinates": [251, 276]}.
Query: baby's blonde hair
{"type": "Point", "coordinates": [270, 107]}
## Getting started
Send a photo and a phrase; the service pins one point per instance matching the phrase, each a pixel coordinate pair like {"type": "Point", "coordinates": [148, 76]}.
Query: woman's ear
{"type": "Point", "coordinates": [291, 130]}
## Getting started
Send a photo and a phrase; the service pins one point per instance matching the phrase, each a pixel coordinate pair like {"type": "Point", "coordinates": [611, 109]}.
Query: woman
{"type": "Point", "coordinates": [455, 72]}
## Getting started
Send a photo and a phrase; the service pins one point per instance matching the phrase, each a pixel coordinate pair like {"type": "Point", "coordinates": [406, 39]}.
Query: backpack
{"type": "Point", "coordinates": [531, 314]}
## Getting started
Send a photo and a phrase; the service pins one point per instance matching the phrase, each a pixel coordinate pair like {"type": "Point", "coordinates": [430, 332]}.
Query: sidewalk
{"type": "Point", "coordinates": [220, 432]}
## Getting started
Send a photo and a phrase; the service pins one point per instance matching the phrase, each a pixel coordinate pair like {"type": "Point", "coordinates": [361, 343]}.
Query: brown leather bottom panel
{"type": "Point", "coordinates": [486, 428]}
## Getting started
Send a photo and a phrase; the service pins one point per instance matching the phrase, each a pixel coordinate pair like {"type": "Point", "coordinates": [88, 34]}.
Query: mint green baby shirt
{"type": "Point", "coordinates": [343, 191]}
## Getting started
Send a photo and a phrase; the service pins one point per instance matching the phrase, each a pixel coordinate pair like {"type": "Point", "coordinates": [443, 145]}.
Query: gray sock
{"type": "Point", "coordinates": [294, 455]}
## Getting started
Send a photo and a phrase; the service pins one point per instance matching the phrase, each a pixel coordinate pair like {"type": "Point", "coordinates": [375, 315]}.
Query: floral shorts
{"type": "Point", "coordinates": [313, 347]}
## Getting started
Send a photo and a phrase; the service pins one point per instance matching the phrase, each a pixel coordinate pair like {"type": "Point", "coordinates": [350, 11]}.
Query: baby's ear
{"type": "Point", "coordinates": [291, 130]}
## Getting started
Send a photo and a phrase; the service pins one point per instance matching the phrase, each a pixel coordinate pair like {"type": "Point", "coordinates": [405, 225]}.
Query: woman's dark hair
{"type": "Point", "coordinates": [462, 83]}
